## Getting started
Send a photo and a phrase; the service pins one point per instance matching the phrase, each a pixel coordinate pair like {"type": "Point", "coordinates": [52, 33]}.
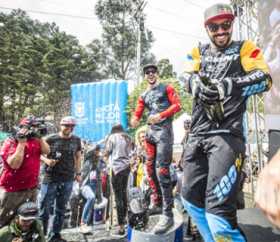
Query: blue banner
{"type": "Point", "coordinates": [97, 107]}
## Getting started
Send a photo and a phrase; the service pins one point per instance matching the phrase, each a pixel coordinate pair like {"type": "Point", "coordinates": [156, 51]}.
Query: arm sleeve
{"type": "Point", "coordinates": [79, 145]}
{"type": "Point", "coordinates": [192, 68]}
{"type": "Point", "coordinates": [257, 79]}
{"type": "Point", "coordinates": [174, 100]}
{"type": "Point", "coordinates": [109, 145]}
{"type": "Point", "coordinates": [139, 108]}
{"type": "Point", "coordinates": [193, 61]}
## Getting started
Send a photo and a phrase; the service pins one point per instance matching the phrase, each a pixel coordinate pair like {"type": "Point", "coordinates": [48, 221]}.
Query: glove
{"type": "Point", "coordinates": [193, 84]}
{"type": "Point", "coordinates": [215, 92]}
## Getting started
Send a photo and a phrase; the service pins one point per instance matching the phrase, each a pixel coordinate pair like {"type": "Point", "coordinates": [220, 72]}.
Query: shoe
{"type": "Point", "coordinates": [195, 233]}
{"type": "Point", "coordinates": [57, 239]}
{"type": "Point", "coordinates": [85, 229]}
{"type": "Point", "coordinates": [164, 223]}
{"type": "Point", "coordinates": [189, 238]}
{"type": "Point", "coordinates": [155, 209]}
{"type": "Point", "coordinates": [119, 233]}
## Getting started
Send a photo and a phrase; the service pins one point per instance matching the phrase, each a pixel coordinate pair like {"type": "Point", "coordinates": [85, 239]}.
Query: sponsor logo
{"type": "Point", "coordinates": [223, 188]}
{"type": "Point", "coordinates": [222, 238]}
{"type": "Point", "coordinates": [254, 89]}
{"type": "Point", "coordinates": [108, 114]}
{"type": "Point", "coordinates": [79, 109]}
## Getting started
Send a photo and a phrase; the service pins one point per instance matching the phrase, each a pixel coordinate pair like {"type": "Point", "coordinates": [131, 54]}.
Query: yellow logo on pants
{"type": "Point", "coordinates": [222, 238]}
{"type": "Point", "coordinates": [238, 163]}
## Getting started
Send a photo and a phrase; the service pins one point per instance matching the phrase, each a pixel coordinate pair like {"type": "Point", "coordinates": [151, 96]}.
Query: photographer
{"type": "Point", "coordinates": [21, 162]}
{"type": "Point", "coordinates": [25, 227]}
{"type": "Point", "coordinates": [61, 167]}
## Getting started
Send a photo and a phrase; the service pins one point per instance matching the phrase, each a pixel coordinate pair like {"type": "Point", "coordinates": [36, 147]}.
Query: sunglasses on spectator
{"type": "Point", "coordinates": [68, 125]}
{"type": "Point", "coordinates": [150, 72]}
{"type": "Point", "coordinates": [215, 27]}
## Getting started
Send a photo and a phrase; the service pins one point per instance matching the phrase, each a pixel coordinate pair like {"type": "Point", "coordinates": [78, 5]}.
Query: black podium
{"type": "Point", "coordinates": [256, 227]}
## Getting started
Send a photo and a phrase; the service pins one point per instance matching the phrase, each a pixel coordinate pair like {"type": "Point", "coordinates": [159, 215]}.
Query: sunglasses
{"type": "Point", "coordinates": [68, 125]}
{"type": "Point", "coordinates": [215, 27]}
{"type": "Point", "coordinates": [150, 72]}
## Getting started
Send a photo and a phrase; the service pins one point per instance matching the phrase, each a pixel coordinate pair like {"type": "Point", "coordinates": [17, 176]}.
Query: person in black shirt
{"type": "Point", "coordinates": [61, 167]}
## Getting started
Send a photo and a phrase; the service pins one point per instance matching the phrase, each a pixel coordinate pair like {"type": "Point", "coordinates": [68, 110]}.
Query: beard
{"type": "Point", "coordinates": [152, 81]}
{"type": "Point", "coordinates": [221, 43]}
{"type": "Point", "coordinates": [66, 132]}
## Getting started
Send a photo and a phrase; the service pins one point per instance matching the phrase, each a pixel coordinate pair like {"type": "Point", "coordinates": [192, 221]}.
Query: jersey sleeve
{"type": "Point", "coordinates": [193, 61]}
{"type": "Point", "coordinates": [139, 108]}
{"type": "Point", "coordinates": [174, 100]}
{"type": "Point", "coordinates": [192, 68]}
{"type": "Point", "coordinates": [252, 58]}
{"type": "Point", "coordinates": [257, 79]}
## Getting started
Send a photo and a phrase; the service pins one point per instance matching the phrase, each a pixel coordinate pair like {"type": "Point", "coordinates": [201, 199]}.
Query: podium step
{"type": "Point", "coordinates": [256, 226]}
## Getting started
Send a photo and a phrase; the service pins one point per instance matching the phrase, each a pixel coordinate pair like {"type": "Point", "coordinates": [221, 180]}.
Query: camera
{"type": "Point", "coordinates": [56, 156]}
{"type": "Point", "coordinates": [36, 128]}
{"type": "Point", "coordinates": [30, 237]}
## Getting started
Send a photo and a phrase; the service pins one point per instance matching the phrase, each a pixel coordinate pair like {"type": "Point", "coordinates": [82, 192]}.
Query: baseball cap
{"type": "Point", "coordinates": [28, 211]}
{"type": "Point", "coordinates": [218, 11]}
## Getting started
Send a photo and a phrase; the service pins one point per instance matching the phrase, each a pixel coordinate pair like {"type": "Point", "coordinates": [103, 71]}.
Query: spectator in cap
{"type": "Point", "coordinates": [20, 155]}
{"type": "Point", "coordinates": [61, 167]}
{"type": "Point", "coordinates": [25, 227]}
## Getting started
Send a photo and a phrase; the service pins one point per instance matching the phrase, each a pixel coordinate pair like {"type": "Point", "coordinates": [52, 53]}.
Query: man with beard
{"type": "Point", "coordinates": [223, 75]}
{"type": "Point", "coordinates": [25, 227]}
{"type": "Point", "coordinates": [162, 103]}
{"type": "Point", "coordinates": [61, 167]}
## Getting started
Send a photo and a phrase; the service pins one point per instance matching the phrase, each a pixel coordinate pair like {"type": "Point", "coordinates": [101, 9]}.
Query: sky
{"type": "Point", "coordinates": [177, 25]}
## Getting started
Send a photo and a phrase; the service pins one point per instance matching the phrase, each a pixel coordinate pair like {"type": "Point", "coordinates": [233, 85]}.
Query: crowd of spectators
{"type": "Point", "coordinates": [74, 175]}
{"type": "Point", "coordinates": [48, 175]}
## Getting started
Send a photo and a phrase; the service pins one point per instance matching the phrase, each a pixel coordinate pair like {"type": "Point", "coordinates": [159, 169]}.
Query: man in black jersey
{"type": "Point", "coordinates": [162, 102]}
{"type": "Point", "coordinates": [222, 76]}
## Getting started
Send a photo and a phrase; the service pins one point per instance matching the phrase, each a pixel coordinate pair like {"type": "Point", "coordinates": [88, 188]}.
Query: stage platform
{"type": "Point", "coordinates": [256, 227]}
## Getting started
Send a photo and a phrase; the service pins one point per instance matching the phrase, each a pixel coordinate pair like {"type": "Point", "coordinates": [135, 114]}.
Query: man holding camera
{"type": "Point", "coordinates": [21, 164]}
{"type": "Point", "coordinates": [61, 167]}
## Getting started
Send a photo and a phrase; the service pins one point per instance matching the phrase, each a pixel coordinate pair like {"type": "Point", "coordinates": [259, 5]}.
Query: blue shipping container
{"type": "Point", "coordinates": [97, 106]}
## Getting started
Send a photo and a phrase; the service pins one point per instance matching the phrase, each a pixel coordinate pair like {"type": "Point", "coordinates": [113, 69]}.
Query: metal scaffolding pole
{"type": "Point", "coordinates": [140, 28]}
{"type": "Point", "coordinates": [246, 11]}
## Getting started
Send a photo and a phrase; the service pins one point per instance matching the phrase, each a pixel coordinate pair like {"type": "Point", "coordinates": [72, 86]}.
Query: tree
{"type": "Point", "coordinates": [165, 69]}
{"type": "Point", "coordinates": [38, 63]}
{"type": "Point", "coordinates": [119, 38]}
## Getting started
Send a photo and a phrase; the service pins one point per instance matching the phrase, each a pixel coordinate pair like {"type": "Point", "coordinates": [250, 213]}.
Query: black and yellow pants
{"type": "Point", "coordinates": [212, 166]}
